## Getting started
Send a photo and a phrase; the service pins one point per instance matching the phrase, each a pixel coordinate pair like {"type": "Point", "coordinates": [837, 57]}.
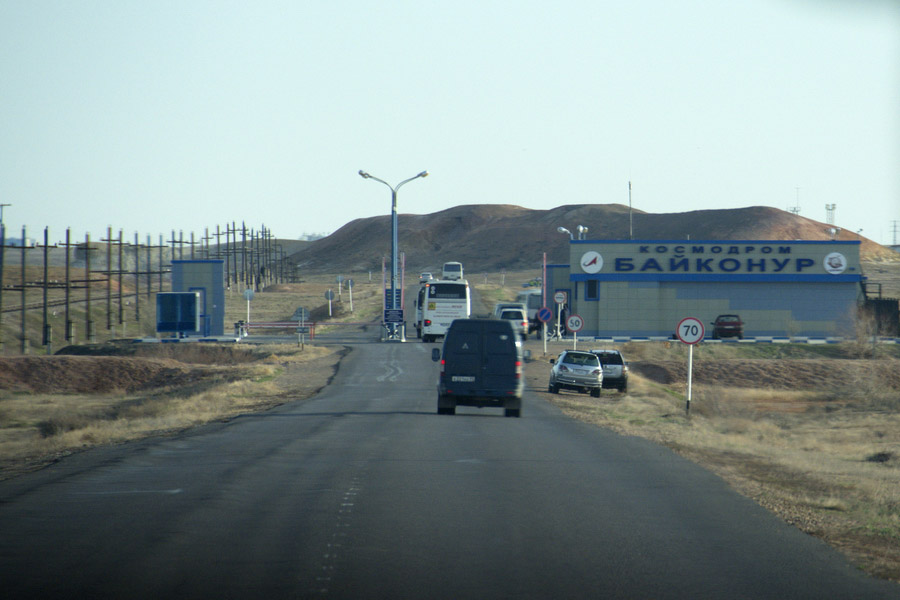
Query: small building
{"type": "Point", "coordinates": [207, 278]}
{"type": "Point", "coordinates": [779, 288]}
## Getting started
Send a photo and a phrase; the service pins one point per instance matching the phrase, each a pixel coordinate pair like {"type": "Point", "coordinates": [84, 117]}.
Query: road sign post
{"type": "Point", "coordinates": [248, 296]}
{"type": "Point", "coordinates": [350, 291]}
{"type": "Point", "coordinates": [574, 324]}
{"type": "Point", "coordinates": [690, 331]}
{"type": "Point", "coordinates": [560, 298]}
{"type": "Point", "coordinates": [329, 295]}
{"type": "Point", "coordinates": [544, 315]}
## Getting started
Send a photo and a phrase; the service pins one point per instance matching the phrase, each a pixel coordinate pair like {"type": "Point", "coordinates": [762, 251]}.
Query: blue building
{"type": "Point", "coordinates": [645, 287]}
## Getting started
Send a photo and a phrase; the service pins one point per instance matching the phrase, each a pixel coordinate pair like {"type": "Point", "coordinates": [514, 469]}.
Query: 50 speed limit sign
{"type": "Point", "coordinates": [690, 330]}
{"type": "Point", "coordinates": [574, 323]}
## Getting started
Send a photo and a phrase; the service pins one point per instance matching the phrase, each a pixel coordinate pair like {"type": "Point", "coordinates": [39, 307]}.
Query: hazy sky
{"type": "Point", "coordinates": [157, 115]}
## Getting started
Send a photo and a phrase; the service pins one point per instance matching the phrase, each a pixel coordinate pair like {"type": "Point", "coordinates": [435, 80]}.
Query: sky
{"type": "Point", "coordinates": [158, 115]}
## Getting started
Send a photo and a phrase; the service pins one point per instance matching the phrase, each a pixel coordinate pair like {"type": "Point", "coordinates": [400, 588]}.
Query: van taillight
{"type": "Point", "coordinates": [427, 322]}
{"type": "Point", "coordinates": [518, 369]}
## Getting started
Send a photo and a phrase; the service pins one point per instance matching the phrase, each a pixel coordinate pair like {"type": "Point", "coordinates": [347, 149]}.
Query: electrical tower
{"type": "Point", "coordinates": [829, 213]}
{"type": "Point", "coordinates": [796, 208]}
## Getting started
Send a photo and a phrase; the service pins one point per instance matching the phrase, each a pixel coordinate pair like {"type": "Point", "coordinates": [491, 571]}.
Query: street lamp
{"type": "Point", "coordinates": [581, 229]}
{"type": "Point", "coordinates": [394, 303]}
{"type": "Point", "coordinates": [564, 230]}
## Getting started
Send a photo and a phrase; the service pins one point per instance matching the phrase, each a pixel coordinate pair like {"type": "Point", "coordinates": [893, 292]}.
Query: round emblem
{"type": "Point", "coordinates": [591, 262]}
{"type": "Point", "coordinates": [835, 263]}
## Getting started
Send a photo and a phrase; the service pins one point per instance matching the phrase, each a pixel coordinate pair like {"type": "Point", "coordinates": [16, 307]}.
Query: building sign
{"type": "Point", "coordinates": [835, 263]}
{"type": "Point", "coordinates": [717, 258]}
{"type": "Point", "coordinates": [591, 262]}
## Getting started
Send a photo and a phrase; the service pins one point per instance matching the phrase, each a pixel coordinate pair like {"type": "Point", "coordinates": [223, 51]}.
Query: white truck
{"type": "Point", "coordinates": [532, 300]}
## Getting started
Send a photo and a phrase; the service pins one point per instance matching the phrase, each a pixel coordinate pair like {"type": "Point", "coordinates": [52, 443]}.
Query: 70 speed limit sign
{"type": "Point", "coordinates": [690, 330]}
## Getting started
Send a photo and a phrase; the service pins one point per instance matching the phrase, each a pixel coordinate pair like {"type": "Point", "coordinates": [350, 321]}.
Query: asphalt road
{"type": "Point", "coordinates": [365, 492]}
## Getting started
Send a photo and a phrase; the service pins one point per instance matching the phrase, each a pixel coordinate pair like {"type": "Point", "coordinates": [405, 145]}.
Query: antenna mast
{"type": "Point", "coordinates": [630, 218]}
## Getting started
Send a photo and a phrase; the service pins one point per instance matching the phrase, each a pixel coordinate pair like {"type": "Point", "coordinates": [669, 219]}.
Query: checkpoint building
{"type": "Point", "coordinates": [643, 288]}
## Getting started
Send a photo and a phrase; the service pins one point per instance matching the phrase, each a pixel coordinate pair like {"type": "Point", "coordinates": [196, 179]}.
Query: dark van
{"type": "Point", "coordinates": [481, 365]}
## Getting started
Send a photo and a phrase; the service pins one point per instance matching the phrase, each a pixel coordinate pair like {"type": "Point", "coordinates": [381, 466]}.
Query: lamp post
{"type": "Point", "coordinates": [394, 302]}
{"type": "Point", "coordinates": [564, 230]}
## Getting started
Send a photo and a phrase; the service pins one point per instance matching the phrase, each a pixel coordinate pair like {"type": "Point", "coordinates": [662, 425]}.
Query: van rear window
{"type": "Point", "coordinates": [611, 358]}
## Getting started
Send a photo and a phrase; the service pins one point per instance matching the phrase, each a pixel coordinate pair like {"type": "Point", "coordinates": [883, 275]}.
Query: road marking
{"type": "Point", "coordinates": [123, 492]}
{"type": "Point", "coordinates": [394, 370]}
{"type": "Point", "coordinates": [327, 568]}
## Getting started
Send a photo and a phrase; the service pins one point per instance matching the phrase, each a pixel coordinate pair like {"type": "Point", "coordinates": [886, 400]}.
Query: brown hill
{"type": "Point", "coordinates": [491, 237]}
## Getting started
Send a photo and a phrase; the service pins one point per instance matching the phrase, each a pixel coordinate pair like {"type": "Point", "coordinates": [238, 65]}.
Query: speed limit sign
{"type": "Point", "coordinates": [574, 323]}
{"type": "Point", "coordinates": [690, 330]}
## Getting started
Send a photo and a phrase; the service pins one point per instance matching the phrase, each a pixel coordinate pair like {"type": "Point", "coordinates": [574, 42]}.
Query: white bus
{"type": "Point", "coordinates": [439, 303]}
{"type": "Point", "coordinates": [452, 270]}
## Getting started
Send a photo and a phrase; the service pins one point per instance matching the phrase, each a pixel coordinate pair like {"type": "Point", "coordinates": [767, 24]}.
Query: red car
{"type": "Point", "coordinates": [728, 326]}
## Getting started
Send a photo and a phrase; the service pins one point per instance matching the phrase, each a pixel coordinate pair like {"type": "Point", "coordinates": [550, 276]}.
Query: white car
{"type": "Point", "coordinates": [501, 306]}
{"type": "Point", "coordinates": [517, 317]}
{"type": "Point", "coordinates": [423, 277]}
{"type": "Point", "coordinates": [615, 369]}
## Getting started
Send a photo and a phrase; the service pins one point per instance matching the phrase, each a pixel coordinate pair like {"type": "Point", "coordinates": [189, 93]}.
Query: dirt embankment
{"type": "Point", "coordinates": [793, 374]}
{"type": "Point", "coordinates": [124, 368]}
{"type": "Point", "coordinates": [91, 374]}
{"type": "Point", "coordinates": [131, 368]}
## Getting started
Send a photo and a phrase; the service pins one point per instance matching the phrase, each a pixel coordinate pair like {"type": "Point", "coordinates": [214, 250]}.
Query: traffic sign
{"type": "Point", "coordinates": [544, 314]}
{"type": "Point", "coordinates": [574, 323]}
{"type": "Point", "coordinates": [349, 283]}
{"type": "Point", "coordinates": [329, 295]}
{"type": "Point", "coordinates": [248, 294]}
{"type": "Point", "coordinates": [398, 297]}
{"type": "Point", "coordinates": [393, 315]}
{"type": "Point", "coordinates": [560, 297]}
{"type": "Point", "coordinates": [690, 330]}
{"type": "Point", "coordinates": [301, 314]}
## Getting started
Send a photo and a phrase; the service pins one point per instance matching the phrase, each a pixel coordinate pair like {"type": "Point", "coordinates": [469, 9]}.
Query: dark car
{"type": "Point", "coordinates": [728, 326]}
{"type": "Point", "coordinates": [481, 365]}
{"type": "Point", "coordinates": [615, 369]}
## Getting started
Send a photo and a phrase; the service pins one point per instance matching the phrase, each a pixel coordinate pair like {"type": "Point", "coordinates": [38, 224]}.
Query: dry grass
{"type": "Point", "coordinates": [38, 428]}
{"type": "Point", "coordinates": [824, 461]}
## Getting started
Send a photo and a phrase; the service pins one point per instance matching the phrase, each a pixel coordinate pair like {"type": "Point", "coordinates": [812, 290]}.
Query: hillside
{"type": "Point", "coordinates": [492, 237]}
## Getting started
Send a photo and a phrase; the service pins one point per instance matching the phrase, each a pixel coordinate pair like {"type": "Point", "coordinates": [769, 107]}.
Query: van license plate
{"type": "Point", "coordinates": [462, 378]}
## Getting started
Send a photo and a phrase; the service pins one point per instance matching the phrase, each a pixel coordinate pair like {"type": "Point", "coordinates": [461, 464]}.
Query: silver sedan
{"type": "Point", "coordinates": [579, 371]}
